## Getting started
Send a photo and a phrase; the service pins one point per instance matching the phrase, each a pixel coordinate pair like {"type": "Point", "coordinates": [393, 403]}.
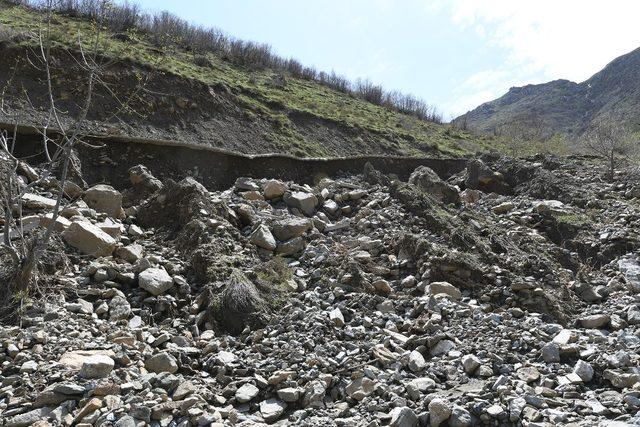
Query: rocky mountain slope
{"type": "Point", "coordinates": [564, 107]}
{"type": "Point", "coordinates": [506, 295]}
{"type": "Point", "coordinates": [166, 92]}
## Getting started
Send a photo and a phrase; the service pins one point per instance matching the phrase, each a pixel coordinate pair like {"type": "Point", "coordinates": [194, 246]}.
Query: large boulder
{"type": "Point", "coordinates": [176, 204]}
{"type": "Point", "coordinates": [105, 199]}
{"type": "Point", "coordinates": [89, 239]}
{"type": "Point", "coordinates": [428, 181]}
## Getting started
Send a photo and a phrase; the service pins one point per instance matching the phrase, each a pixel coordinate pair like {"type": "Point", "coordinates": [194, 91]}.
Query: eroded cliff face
{"type": "Point", "coordinates": [505, 293]}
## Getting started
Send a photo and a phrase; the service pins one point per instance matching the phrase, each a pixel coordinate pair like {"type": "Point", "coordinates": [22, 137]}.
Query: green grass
{"type": "Point", "coordinates": [255, 91]}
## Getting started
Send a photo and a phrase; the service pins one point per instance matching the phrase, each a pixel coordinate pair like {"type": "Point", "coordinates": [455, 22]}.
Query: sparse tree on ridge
{"type": "Point", "coordinates": [610, 141]}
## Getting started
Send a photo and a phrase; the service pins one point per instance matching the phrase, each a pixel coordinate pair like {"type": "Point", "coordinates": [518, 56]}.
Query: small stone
{"type": "Point", "coordinates": [289, 394]}
{"type": "Point", "coordinates": [470, 363]}
{"type": "Point", "coordinates": [104, 198]}
{"type": "Point", "coordinates": [336, 317]}
{"type": "Point", "coordinates": [503, 208]}
{"type": "Point", "coordinates": [382, 286]}
{"type": "Point", "coordinates": [29, 367]}
{"type": "Point", "coordinates": [584, 370]}
{"type": "Point", "coordinates": [551, 353]}
{"type": "Point", "coordinates": [306, 202]}
{"type": "Point", "coordinates": [273, 189]}
{"type": "Point", "coordinates": [416, 361]}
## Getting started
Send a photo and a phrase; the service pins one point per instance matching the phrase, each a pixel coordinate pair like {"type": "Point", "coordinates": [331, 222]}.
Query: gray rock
{"type": "Point", "coordinates": [460, 417]}
{"type": "Point", "coordinates": [584, 370]}
{"type": "Point", "coordinates": [162, 362]}
{"type": "Point", "coordinates": [403, 417]}
{"type": "Point", "coordinates": [306, 202]}
{"type": "Point", "coordinates": [262, 238]}
{"type": "Point", "coordinates": [156, 281]}
{"type": "Point", "coordinates": [96, 366]}
{"type": "Point", "coordinates": [470, 363]}
{"type": "Point", "coordinates": [246, 393]}
{"type": "Point", "coordinates": [89, 239]}
{"type": "Point", "coordinates": [551, 353]}
{"type": "Point", "coordinates": [289, 228]}
{"type": "Point", "coordinates": [105, 199]}
{"type": "Point", "coordinates": [272, 409]}
{"type": "Point", "coordinates": [428, 181]}
{"type": "Point", "coordinates": [416, 361]}
{"type": "Point", "coordinates": [439, 411]}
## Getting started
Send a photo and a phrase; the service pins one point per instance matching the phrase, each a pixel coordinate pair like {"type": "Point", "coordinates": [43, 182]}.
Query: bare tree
{"type": "Point", "coordinates": [610, 141]}
{"type": "Point", "coordinates": [58, 152]}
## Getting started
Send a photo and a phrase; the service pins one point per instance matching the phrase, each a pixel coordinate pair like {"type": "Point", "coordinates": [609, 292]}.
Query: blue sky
{"type": "Point", "coordinates": [455, 54]}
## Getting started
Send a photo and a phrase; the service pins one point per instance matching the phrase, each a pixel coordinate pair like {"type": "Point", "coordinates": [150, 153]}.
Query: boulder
{"type": "Point", "coordinates": [305, 202]}
{"type": "Point", "coordinates": [291, 247]}
{"type": "Point", "coordinates": [262, 238]}
{"type": "Point", "coordinates": [35, 201]}
{"type": "Point", "coordinates": [89, 239]}
{"type": "Point", "coordinates": [162, 362]}
{"type": "Point", "coordinates": [105, 199]}
{"type": "Point", "coordinates": [435, 288]}
{"type": "Point", "coordinates": [481, 177]}
{"type": "Point", "coordinates": [96, 366]}
{"type": "Point", "coordinates": [273, 189]}
{"type": "Point", "coordinates": [428, 181]}
{"type": "Point", "coordinates": [130, 253]}
{"type": "Point", "coordinates": [289, 228]}
{"type": "Point", "coordinates": [156, 281]}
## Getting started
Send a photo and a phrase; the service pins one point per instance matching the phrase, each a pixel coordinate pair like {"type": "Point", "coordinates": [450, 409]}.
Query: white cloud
{"type": "Point", "coordinates": [544, 40]}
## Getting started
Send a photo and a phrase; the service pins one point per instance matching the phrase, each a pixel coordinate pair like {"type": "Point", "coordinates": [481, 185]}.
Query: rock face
{"type": "Point", "coordinates": [156, 281]}
{"type": "Point", "coordinates": [105, 199]}
{"type": "Point", "coordinates": [89, 239]}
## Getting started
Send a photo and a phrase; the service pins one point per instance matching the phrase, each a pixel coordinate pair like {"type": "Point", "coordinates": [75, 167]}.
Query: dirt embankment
{"type": "Point", "coordinates": [150, 103]}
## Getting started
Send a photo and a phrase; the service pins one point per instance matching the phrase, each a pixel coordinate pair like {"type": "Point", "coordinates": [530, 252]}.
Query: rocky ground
{"type": "Point", "coordinates": [508, 295]}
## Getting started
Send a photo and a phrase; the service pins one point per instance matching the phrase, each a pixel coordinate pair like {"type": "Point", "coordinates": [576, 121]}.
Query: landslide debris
{"type": "Point", "coordinates": [507, 295]}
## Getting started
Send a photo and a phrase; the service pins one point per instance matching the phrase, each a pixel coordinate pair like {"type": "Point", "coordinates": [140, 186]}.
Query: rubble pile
{"type": "Point", "coordinates": [506, 295]}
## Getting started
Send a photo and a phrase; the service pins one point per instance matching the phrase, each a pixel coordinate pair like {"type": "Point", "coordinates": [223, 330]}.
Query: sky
{"type": "Point", "coordinates": [455, 54]}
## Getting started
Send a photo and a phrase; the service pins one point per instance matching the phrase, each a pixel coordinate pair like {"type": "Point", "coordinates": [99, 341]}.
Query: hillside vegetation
{"type": "Point", "coordinates": [562, 107]}
{"type": "Point", "coordinates": [206, 98]}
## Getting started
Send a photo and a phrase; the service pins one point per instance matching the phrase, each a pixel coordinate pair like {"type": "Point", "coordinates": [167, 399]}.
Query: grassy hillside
{"type": "Point", "coordinates": [256, 110]}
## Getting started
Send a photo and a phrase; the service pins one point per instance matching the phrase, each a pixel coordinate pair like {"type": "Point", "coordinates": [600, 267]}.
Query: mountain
{"type": "Point", "coordinates": [564, 107]}
{"type": "Point", "coordinates": [176, 92]}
